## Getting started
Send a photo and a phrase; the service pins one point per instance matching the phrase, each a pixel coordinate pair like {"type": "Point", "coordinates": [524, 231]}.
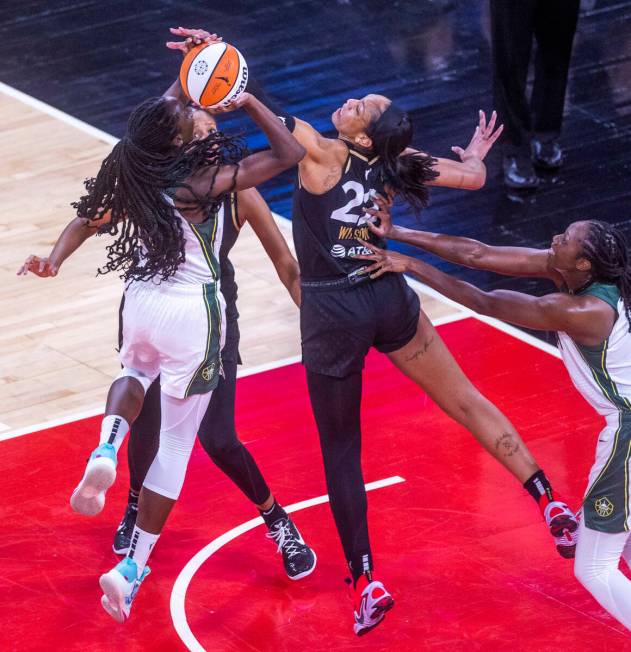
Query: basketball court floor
{"type": "Point", "coordinates": [457, 540]}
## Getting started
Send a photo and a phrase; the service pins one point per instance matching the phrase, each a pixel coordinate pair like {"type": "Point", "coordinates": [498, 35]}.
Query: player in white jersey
{"type": "Point", "coordinates": [159, 192]}
{"type": "Point", "coordinates": [591, 267]}
{"type": "Point", "coordinates": [217, 433]}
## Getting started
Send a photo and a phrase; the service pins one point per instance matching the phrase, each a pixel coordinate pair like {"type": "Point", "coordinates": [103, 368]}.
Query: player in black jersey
{"type": "Point", "coordinates": [345, 313]}
{"type": "Point", "coordinates": [217, 432]}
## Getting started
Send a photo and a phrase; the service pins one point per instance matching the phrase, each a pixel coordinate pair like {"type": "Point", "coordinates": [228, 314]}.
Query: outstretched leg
{"type": "Point", "coordinates": [427, 361]}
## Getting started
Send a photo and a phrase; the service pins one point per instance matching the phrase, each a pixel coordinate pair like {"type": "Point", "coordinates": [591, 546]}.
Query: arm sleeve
{"type": "Point", "coordinates": [286, 118]}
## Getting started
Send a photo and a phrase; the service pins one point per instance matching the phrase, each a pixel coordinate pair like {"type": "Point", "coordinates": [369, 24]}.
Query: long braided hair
{"type": "Point", "coordinates": [137, 183]}
{"type": "Point", "coordinates": [605, 246]}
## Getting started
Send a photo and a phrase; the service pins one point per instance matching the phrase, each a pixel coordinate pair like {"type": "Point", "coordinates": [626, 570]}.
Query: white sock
{"type": "Point", "coordinates": [141, 546]}
{"type": "Point", "coordinates": [113, 430]}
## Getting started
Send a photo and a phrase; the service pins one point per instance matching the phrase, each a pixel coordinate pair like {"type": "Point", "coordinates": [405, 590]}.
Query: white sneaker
{"type": "Point", "coordinates": [89, 496]}
{"type": "Point", "coordinates": [120, 587]}
{"type": "Point", "coordinates": [563, 524]}
{"type": "Point", "coordinates": [372, 602]}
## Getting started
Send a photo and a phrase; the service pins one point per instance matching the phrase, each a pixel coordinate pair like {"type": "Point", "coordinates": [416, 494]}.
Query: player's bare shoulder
{"type": "Point", "coordinates": [321, 169]}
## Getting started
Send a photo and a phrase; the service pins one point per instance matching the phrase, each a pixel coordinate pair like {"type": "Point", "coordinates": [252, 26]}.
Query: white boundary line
{"type": "Point", "coordinates": [76, 416]}
{"type": "Point", "coordinates": [95, 411]}
{"type": "Point", "coordinates": [178, 593]}
{"type": "Point", "coordinates": [268, 366]}
{"type": "Point", "coordinates": [56, 113]}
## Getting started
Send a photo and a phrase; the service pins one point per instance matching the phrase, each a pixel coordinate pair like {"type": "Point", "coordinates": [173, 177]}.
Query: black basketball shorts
{"type": "Point", "coordinates": [339, 324]}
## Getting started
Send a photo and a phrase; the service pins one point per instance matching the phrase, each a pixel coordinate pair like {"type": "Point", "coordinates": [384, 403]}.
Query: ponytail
{"type": "Point", "coordinates": [405, 174]}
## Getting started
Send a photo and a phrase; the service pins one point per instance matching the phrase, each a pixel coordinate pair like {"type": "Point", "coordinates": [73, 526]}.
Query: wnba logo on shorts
{"type": "Point", "coordinates": [207, 372]}
{"type": "Point", "coordinates": [604, 507]}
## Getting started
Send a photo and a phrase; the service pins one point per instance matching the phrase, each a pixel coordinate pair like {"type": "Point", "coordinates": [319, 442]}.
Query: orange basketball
{"type": "Point", "coordinates": [213, 74]}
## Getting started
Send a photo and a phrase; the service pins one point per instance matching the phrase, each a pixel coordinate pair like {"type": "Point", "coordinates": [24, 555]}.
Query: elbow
{"type": "Point", "coordinates": [474, 256]}
{"type": "Point", "coordinates": [299, 153]}
{"type": "Point", "coordinates": [294, 154]}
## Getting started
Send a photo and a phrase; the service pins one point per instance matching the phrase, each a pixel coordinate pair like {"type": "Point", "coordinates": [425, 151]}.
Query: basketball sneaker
{"type": "Point", "coordinates": [122, 538]}
{"type": "Point", "coordinates": [562, 523]}
{"type": "Point", "coordinates": [372, 602]}
{"type": "Point", "coordinates": [89, 496]}
{"type": "Point", "coordinates": [120, 587]}
{"type": "Point", "coordinates": [299, 560]}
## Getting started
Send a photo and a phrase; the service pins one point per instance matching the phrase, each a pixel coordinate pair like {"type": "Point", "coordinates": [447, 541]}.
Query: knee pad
{"type": "Point", "coordinates": [128, 372]}
{"type": "Point", "coordinates": [180, 422]}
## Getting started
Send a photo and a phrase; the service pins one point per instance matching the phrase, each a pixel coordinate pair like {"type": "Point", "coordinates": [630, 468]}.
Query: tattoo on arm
{"type": "Point", "coordinates": [420, 352]}
{"type": "Point", "coordinates": [507, 444]}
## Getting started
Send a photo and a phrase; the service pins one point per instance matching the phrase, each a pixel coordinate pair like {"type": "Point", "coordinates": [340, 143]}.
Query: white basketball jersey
{"type": "Point", "coordinates": [202, 243]}
{"type": "Point", "coordinates": [602, 374]}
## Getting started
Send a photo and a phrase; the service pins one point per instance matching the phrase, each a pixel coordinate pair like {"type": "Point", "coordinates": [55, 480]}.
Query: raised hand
{"type": "Point", "coordinates": [239, 102]}
{"type": "Point", "coordinates": [192, 38]}
{"type": "Point", "coordinates": [483, 139]}
{"type": "Point", "coordinates": [381, 214]}
{"type": "Point", "coordinates": [39, 266]}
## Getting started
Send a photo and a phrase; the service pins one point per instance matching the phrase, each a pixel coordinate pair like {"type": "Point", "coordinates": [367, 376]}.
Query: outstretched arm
{"type": "Point", "coordinates": [586, 319]}
{"type": "Point", "coordinates": [252, 207]}
{"type": "Point", "coordinates": [511, 261]}
{"type": "Point", "coordinates": [71, 238]}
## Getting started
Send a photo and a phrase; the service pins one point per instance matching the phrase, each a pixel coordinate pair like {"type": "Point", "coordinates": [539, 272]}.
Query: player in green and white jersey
{"type": "Point", "coordinates": [591, 268]}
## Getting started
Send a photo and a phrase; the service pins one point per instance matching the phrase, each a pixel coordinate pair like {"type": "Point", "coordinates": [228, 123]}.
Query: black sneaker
{"type": "Point", "coordinates": [122, 538]}
{"type": "Point", "coordinates": [299, 560]}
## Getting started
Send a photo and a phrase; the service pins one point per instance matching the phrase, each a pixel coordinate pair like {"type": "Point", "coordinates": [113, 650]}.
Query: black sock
{"type": "Point", "coordinates": [132, 498]}
{"type": "Point", "coordinates": [360, 565]}
{"type": "Point", "coordinates": [538, 485]}
{"type": "Point", "coordinates": [273, 514]}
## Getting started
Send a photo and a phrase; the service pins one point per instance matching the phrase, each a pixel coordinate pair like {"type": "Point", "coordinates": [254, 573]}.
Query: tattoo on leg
{"type": "Point", "coordinates": [422, 351]}
{"type": "Point", "coordinates": [508, 444]}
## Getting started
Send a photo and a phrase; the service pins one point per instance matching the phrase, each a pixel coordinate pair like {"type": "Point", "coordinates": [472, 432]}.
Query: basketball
{"type": "Point", "coordinates": [213, 74]}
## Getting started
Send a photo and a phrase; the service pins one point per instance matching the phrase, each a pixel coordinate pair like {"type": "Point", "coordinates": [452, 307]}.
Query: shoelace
{"type": "Point", "coordinates": [282, 535]}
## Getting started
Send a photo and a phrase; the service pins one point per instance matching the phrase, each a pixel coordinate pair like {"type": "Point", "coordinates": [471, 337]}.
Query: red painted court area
{"type": "Point", "coordinates": [459, 544]}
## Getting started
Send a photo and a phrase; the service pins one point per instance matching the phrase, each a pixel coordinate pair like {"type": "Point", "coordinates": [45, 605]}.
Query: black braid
{"type": "Point", "coordinates": [605, 246]}
{"type": "Point", "coordinates": [135, 183]}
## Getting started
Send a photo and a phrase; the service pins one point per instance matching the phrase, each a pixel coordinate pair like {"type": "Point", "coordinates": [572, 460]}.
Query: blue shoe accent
{"type": "Point", "coordinates": [105, 450]}
{"type": "Point", "coordinates": [128, 569]}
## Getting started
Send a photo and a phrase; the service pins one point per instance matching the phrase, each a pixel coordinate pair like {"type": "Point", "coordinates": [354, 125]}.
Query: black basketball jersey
{"type": "Point", "coordinates": [230, 227]}
{"type": "Point", "coordinates": [326, 227]}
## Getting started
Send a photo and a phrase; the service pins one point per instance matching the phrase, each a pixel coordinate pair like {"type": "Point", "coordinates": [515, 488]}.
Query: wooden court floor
{"type": "Point", "coordinates": [57, 336]}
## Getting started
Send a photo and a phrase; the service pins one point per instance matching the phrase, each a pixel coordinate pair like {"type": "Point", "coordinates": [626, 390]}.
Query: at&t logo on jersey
{"type": "Point", "coordinates": [338, 251]}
